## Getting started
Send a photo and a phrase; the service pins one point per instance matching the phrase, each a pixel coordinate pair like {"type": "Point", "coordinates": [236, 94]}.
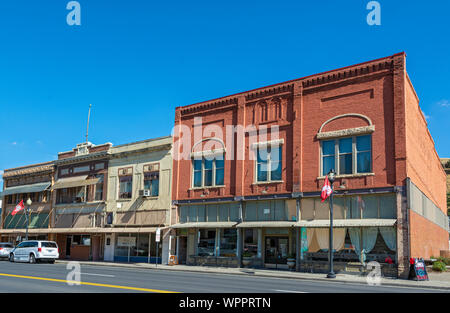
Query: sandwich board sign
{"type": "Point", "coordinates": [418, 270]}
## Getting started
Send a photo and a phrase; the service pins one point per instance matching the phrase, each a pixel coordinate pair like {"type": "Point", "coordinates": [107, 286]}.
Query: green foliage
{"type": "Point", "coordinates": [247, 255]}
{"type": "Point", "coordinates": [439, 266]}
{"type": "Point", "coordinates": [446, 261]}
{"type": "Point", "coordinates": [448, 204]}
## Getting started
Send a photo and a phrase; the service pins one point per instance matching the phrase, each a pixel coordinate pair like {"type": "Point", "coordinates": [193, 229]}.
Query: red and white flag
{"type": "Point", "coordinates": [18, 208]}
{"type": "Point", "coordinates": [326, 189]}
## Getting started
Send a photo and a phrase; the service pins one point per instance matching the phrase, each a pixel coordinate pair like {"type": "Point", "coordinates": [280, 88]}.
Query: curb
{"type": "Point", "coordinates": [259, 274]}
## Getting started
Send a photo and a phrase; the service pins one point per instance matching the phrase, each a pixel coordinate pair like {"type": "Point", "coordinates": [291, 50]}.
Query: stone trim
{"type": "Point", "coordinates": [347, 132]}
{"type": "Point", "coordinates": [345, 115]}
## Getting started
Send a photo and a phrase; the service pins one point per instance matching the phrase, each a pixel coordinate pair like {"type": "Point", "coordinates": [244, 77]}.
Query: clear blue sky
{"type": "Point", "coordinates": [136, 60]}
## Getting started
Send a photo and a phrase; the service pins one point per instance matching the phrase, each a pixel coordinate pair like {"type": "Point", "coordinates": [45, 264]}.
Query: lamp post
{"type": "Point", "coordinates": [331, 178]}
{"type": "Point", "coordinates": [29, 202]}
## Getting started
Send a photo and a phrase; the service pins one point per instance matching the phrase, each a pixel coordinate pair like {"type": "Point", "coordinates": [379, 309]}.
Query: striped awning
{"type": "Point", "coordinates": [25, 189]}
{"type": "Point", "coordinates": [78, 181]}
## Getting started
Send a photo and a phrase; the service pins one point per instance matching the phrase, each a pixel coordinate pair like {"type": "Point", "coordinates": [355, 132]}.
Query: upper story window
{"type": "Point", "coordinates": [268, 163]}
{"type": "Point", "coordinates": [151, 178]}
{"type": "Point", "coordinates": [126, 183]}
{"type": "Point", "coordinates": [151, 182]}
{"type": "Point", "coordinates": [99, 188]}
{"type": "Point", "coordinates": [208, 171]}
{"type": "Point", "coordinates": [71, 195]}
{"type": "Point", "coordinates": [350, 155]}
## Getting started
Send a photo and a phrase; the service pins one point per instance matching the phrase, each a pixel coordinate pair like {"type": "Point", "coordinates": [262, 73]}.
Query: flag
{"type": "Point", "coordinates": [326, 189]}
{"type": "Point", "coordinates": [18, 208]}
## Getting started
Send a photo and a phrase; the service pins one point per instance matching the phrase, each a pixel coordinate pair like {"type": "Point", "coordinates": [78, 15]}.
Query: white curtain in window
{"type": "Point", "coordinates": [389, 235]}
{"type": "Point", "coordinates": [339, 238]}
{"type": "Point", "coordinates": [323, 238]}
{"type": "Point", "coordinates": [312, 242]}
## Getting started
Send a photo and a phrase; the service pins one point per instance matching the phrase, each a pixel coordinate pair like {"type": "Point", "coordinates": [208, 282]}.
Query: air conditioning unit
{"type": "Point", "coordinates": [144, 193]}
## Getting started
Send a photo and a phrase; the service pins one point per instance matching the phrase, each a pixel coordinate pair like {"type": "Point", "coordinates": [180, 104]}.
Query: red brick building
{"type": "Point", "coordinates": [246, 197]}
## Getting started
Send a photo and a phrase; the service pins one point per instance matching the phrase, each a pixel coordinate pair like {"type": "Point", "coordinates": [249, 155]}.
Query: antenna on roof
{"type": "Point", "coordinates": [87, 128]}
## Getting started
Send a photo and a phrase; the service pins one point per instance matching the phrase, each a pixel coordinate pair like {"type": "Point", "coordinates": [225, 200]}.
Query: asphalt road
{"type": "Point", "coordinates": [52, 278]}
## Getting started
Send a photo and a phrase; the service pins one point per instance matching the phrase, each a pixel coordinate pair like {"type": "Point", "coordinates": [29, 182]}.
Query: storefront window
{"type": "Point", "coordinates": [354, 244]}
{"type": "Point", "coordinates": [153, 245]}
{"type": "Point", "coordinates": [206, 243]}
{"type": "Point", "coordinates": [228, 241]}
{"type": "Point", "coordinates": [251, 241]}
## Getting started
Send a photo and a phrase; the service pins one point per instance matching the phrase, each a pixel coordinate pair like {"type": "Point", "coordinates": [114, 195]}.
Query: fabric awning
{"type": "Point", "coordinates": [348, 223]}
{"type": "Point", "coordinates": [77, 181]}
{"type": "Point", "coordinates": [23, 231]}
{"type": "Point", "coordinates": [272, 224]}
{"type": "Point", "coordinates": [86, 230]}
{"type": "Point", "coordinates": [204, 225]}
{"type": "Point", "coordinates": [25, 189]}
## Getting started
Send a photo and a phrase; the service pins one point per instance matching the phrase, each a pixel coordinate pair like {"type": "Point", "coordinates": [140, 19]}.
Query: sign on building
{"type": "Point", "coordinates": [158, 235]}
{"type": "Point", "coordinates": [126, 241]}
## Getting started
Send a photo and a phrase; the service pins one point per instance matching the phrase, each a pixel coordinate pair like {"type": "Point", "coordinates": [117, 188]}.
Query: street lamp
{"type": "Point", "coordinates": [29, 202]}
{"type": "Point", "coordinates": [331, 178]}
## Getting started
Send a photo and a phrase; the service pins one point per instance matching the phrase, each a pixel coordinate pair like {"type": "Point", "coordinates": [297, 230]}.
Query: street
{"type": "Point", "coordinates": [51, 278]}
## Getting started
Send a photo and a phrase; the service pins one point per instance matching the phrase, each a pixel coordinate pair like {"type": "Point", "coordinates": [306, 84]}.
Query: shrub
{"type": "Point", "coordinates": [439, 266]}
{"type": "Point", "coordinates": [446, 261]}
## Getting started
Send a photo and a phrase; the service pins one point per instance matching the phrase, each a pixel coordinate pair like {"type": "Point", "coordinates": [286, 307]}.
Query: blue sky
{"type": "Point", "coordinates": [136, 60]}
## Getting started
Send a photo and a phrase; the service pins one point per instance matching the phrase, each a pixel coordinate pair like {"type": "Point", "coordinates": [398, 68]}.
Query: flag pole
{"type": "Point", "coordinates": [331, 177]}
{"type": "Point", "coordinates": [87, 128]}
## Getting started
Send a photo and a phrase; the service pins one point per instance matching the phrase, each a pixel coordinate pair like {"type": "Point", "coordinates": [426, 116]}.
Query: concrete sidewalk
{"type": "Point", "coordinates": [437, 280]}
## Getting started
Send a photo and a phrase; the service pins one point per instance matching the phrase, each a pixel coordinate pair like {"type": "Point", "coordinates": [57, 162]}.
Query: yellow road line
{"type": "Point", "coordinates": [88, 284]}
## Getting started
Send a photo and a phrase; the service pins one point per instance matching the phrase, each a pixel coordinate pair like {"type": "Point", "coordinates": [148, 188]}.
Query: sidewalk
{"type": "Point", "coordinates": [437, 280]}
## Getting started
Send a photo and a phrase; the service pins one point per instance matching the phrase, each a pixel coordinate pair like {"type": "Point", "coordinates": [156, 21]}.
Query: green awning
{"type": "Point", "coordinates": [25, 189]}
{"type": "Point", "coordinates": [18, 221]}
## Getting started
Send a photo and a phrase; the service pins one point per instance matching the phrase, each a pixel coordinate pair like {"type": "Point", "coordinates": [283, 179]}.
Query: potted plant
{"type": "Point", "coordinates": [291, 260]}
{"type": "Point", "coordinates": [247, 258]}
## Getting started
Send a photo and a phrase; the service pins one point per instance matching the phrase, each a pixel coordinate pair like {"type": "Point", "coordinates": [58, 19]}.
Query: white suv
{"type": "Point", "coordinates": [34, 251]}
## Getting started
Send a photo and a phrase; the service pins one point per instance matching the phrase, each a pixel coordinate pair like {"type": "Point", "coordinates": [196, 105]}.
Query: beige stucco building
{"type": "Point", "coordinates": [139, 201]}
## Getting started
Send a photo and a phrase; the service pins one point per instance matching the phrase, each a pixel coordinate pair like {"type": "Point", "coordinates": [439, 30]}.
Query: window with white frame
{"type": "Point", "coordinates": [268, 163]}
{"type": "Point", "coordinates": [349, 155]}
{"type": "Point", "coordinates": [208, 171]}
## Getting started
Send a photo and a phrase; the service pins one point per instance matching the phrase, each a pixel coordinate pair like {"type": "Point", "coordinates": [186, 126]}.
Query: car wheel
{"type": "Point", "coordinates": [32, 259]}
{"type": "Point", "coordinates": [11, 257]}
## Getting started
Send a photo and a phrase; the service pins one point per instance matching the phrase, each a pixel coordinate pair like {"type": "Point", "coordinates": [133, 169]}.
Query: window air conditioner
{"type": "Point", "coordinates": [144, 193]}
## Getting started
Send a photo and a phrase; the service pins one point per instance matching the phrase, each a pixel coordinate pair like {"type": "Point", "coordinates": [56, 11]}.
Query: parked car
{"type": "Point", "coordinates": [33, 251]}
{"type": "Point", "coordinates": [5, 249]}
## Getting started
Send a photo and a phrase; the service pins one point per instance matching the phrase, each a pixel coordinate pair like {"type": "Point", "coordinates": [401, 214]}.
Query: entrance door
{"type": "Point", "coordinates": [182, 249]}
{"type": "Point", "coordinates": [68, 245]}
{"type": "Point", "coordinates": [276, 250]}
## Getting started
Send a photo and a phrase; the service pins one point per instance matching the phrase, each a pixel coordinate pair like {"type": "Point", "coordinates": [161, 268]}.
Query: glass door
{"type": "Point", "coordinates": [276, 250]}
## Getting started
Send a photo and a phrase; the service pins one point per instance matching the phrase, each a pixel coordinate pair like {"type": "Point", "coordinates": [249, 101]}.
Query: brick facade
{"type": "Point", "coordinates": [376, 97]}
